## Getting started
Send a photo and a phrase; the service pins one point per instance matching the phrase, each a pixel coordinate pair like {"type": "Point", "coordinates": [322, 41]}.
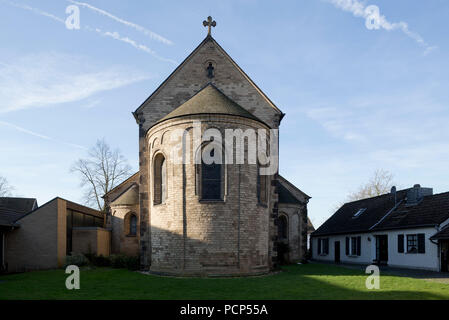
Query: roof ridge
{"type": "Point", "coordinates": [381, 195]}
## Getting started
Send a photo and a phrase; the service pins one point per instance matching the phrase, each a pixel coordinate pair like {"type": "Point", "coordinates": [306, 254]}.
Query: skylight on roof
{"type": "Point", "coordinates": [358, 213]}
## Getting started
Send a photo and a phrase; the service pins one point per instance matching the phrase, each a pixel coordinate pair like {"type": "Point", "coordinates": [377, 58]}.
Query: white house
{"type": "Point", "coordinates": [408, 229]}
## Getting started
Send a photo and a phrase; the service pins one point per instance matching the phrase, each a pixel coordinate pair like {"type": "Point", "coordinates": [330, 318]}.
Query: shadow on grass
{"type": "Point", "coordinates": [311, 281]}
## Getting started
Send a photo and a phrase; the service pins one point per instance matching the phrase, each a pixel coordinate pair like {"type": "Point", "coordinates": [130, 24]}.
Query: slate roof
{"type": "Point", "coordinates": [210, 100]}
{"type": "Point", "coordinates": [431, 211]}
{"type": "Point", "coordinates": [286, 196]}
{"type": "Point", "coordinates": [381, 214]}
{"type": "Point", "coordinates": [343, 221]}
{"type": "Point", "coordinates": [289, 193]}
{"type": "Point", "coordinates": [12, 209]}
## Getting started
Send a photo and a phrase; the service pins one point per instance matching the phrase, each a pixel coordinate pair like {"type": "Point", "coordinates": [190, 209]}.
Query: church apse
{"type": "Point", "coordinates": [211, 222]}
{"type": "Point", "coordinates": [205, 218]}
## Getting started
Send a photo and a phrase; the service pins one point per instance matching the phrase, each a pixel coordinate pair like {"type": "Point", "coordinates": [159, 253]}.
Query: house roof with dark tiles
{"type": "Point", "coordinates": [382, 214]}
{"type": "Point", "coordinates": [344, 221]}
{"type": "Point", "coordinates": [430, 211]}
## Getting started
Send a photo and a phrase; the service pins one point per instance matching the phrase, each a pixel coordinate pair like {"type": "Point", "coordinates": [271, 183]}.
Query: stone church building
{"type": "Point", "coordinates": [198, 218]}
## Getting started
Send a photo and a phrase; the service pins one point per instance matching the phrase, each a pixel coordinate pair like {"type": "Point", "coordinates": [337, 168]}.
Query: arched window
{"type": "Point", "coordinates": [159, 179]}
{"type": "Point", "coordinates": [211, 188]}
{"type": "Point", "coordinates": [133, 225]}
{"type": "Point", "coordinates": [282, 227]}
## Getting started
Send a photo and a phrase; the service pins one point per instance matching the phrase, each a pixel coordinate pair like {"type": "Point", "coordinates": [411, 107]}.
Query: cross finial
{"type": "Point", "coordinates": [209, 23]}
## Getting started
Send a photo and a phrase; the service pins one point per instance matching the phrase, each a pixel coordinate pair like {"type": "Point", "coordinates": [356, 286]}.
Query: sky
{"type": "Point", "coordinates": [359, 93]}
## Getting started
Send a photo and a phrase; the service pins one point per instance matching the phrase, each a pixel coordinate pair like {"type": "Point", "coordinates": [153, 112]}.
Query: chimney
{"type": "Point", "coordinates": [393, 194]}
{"type": "Point", "coordinates": [415, 194]}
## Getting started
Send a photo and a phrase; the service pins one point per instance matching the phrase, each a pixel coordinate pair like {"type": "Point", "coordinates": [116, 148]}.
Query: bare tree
{"type": "Point", "coordinates": [100, 172]}
{"type": "Point", "coordinates": [5, 187]}
{"type": "Point", "coordinates": [380, 183]}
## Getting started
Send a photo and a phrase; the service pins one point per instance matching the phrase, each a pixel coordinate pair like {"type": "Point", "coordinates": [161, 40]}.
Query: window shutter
{"type": "Point", "coordinates": [359, 246]}
{"type": "Point", "coordinates": [347, 246]}
{"type": "Point", "coordinates": [327, 246]}
{"type": "Point", "coordinates": [319, 246]}
{"type": "Point", "coordinates": [421, 243]}
{"type": "Point", "coordinates": [400, 243]}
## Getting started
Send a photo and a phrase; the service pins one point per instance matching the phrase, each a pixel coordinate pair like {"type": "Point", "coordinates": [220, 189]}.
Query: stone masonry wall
{"type": "Point", "coordinates": [297, 230]}
{"type": "Point", "coordinates": [193, 237]}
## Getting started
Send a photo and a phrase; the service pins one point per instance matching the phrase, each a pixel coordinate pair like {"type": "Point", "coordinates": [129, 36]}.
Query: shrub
{"type": "Point", "coordinates": [117, 261]}
{"type": "Point", "coordinates": [133, 263]}
{"type": "Point", "coordinates": [100, 261]}
{"type": "Point", "coordinates": [76, 259]}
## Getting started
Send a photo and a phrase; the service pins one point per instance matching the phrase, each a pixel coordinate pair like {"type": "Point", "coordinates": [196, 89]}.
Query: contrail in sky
{"type": "Point", "coordinates": [137, 27]}
{"type": "Point", "coordinates": [35, 10]}
{"type": "Point", "coordinates": [117, 36]}
{"type": "Point", "coordinates": [359, 9]}
{"type": "Point", "coordinates": [113, 35]}
{"type": "Point", "coordinates": [41, 136]}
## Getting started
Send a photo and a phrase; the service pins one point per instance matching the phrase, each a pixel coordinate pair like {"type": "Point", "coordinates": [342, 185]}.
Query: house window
{"type": "Point", "coordinates": [323, 246]}
{"type": "Point", "coordinates": [354, 246]}
{"type": "Point", "coordinates": [412, 243]}
{"type": "Point", "coordinates": [133, 225]}
{"type": "Point", "coordinates": [211, 180]}
{"type": "Point", "coordinates": [416, 243]}
{"type": "Point", "coordinates": [160, 179]}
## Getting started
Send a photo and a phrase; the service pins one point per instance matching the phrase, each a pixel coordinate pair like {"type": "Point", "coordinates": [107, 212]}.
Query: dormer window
{"type": "Point", "coordinates": [358, 213]}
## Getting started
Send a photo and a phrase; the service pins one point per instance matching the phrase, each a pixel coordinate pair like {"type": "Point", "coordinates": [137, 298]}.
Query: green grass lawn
{"type": "Point", "coordinates": [310, 281]}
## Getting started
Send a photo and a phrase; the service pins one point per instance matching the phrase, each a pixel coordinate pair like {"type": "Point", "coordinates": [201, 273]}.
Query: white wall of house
{"type": "Point", "coordinates": [429, 260]}
{"type": "Point", "coordinates": [365, 254]}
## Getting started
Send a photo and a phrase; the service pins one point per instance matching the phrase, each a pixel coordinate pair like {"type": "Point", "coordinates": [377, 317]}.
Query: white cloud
{"type": "Point", "coordinates": [137, 27]}
{"type": "Point", "coordinates": [382, 121]}
{"type": "Point", "coordinates": [40, 80]}
{"type": "Point", "coordinates": [359, 9]}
